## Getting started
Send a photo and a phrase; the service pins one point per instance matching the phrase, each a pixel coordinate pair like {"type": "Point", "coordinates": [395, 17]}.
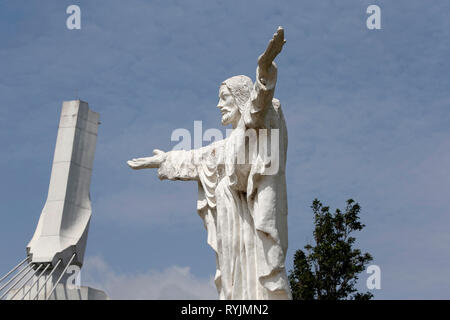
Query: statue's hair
{"type": "Point", "coordinates": [240, 88]}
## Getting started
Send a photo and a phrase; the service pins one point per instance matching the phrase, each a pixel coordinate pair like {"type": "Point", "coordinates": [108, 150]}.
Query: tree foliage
{"type": "Point", "coordinates": [329, 269]}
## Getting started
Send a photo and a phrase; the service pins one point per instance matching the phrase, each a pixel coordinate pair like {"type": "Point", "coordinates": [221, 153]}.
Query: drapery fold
{"type": "Point", "coordinates": [243, 210]}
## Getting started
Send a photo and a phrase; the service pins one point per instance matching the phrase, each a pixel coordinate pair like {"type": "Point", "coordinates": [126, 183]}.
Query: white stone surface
{"type": "Point", "coordinates": [243, 204]}
{"type": "Point", "coordinates": [63, 225]}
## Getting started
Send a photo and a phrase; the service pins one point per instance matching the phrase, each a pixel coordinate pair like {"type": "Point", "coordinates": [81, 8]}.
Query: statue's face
{"type": "Point", "coordinates": [227, 105]}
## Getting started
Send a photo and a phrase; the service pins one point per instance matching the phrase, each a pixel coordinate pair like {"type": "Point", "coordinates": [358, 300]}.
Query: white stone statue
{"type": "Point", "coordinates": [241, 186]}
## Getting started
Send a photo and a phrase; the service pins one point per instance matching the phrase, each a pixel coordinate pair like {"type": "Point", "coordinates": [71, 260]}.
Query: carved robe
{"type": "Point", "coordinates": [243, 205]}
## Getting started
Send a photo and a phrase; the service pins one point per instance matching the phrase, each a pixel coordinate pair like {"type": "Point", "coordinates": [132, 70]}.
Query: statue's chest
{"type": "Point", "coordinates": [237, 175]}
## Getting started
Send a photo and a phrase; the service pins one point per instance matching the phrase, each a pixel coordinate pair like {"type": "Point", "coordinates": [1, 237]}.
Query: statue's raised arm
{"type": "Point", "coordinates": [266, 72]}
{"type": "Point", "coordinates": [266, 79]}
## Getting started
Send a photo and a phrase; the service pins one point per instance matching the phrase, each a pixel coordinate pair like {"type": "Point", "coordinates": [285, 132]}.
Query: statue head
{"type": "Point", "coordinates": [234, 94]}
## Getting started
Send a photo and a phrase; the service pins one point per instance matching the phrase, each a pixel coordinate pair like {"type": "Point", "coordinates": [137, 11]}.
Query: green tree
{"type": "Point", "coordinates": [329, 269]}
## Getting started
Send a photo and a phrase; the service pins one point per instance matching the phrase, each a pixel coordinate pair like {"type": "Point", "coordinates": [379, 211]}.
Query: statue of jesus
{"type": "Point", "coordinates": [242, 199]}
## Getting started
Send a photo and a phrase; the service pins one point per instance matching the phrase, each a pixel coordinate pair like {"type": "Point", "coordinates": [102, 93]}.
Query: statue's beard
{"type": "Point", "coordinates": [226, 118]}
{"type": "Point", "coordinates": [229, 117]}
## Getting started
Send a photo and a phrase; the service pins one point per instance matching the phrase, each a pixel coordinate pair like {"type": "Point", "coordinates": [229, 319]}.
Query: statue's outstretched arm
{"type": "Point", "coordinates": [172, 165]}
{"type": "Point", "coordinates": [266, 79]}
{"type": "Point", "coordinates": [178, 164]}
{"type": "Point", "coordinates": [148, 162]}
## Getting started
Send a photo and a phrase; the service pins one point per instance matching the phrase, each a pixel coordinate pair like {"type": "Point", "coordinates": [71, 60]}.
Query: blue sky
{"type": "Point", "coordinates": [367, 113]}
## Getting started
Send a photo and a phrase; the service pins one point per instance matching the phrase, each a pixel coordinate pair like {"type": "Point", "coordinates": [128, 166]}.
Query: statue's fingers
{"type": "Point", "coordinates": [278, 47]}
{"type": "Point", "coordinates": [279, 41]}
{"type": "Point", "coordinates": [279, 35]}
{"type": "Point", "coordinates": [280, 32]}
{"type": "Point", "coordinates": [268, 53]}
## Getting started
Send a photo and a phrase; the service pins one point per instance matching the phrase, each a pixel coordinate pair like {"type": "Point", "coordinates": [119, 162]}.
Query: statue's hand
{"type": "Point", "coordinates": [273, 49]}
{"type": "Point", "coordinates": [149, 162]}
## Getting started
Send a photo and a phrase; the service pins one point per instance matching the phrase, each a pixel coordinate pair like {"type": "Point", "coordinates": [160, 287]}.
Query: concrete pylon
{"type": "Point", "coordinates": [61, 234]}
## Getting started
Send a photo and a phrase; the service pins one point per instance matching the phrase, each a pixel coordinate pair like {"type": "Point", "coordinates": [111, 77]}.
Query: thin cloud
{"type": "Point", "coordinates": [174, 282]}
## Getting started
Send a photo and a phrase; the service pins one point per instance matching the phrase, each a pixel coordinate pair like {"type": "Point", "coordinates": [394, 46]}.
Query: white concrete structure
{"type": "Point", "coordinates": [59, 241]}
{"type": "Point", "coordinates": [64, 222]}
{"type": "Point", "coordinates": [241, 185]}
